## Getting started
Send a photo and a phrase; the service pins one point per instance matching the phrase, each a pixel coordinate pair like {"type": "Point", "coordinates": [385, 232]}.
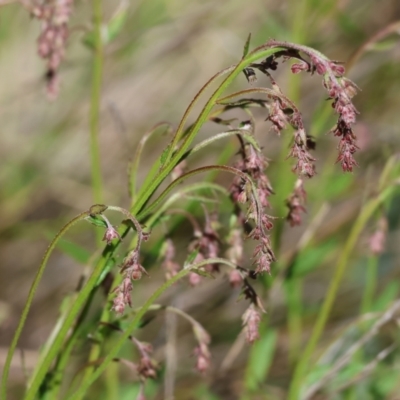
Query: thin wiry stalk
{"type": "Point", "coordinates": [133, 167]}
{"type": "Point", "coordinates": [29, 300]}
{"type": "Point", "coordinates": [169, 164]}
{"type": "Point", "coordinates": [97, 75]}
{"type": "Point", "coordinates": [113, 351]}
{"type": "Point", "coordinates": [196, 171]}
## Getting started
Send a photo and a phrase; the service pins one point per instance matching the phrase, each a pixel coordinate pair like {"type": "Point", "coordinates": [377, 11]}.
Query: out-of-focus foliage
{"type": "Point", "coordinates": [158, 54]}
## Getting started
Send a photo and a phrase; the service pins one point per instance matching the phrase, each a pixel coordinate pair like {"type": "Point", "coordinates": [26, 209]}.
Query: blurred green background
{"type": "Point", "coordinates": [166, 50]}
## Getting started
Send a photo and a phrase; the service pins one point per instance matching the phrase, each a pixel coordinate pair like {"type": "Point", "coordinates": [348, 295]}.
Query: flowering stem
{"type": "Point", "coordinates": [135, 162]}
{"type": "Point", "coordinates": [29, 300]}
{"type": "Point", "coordinates": [97, 73]}
{"type": "Point", "coordinates": [135, 222]}
{"type": "Point", "coordinates": [113, 351]}
{"type": "Point", "coordinates": [366, 213]}
{"type": "Point", "coordinates": [157, 203]}
{"type": "Point", "coordinates": [105, 315]}
{"type": "Point", "coordinates": [173, 159]}
{"type": "Point", "coordinates": [65, 328]}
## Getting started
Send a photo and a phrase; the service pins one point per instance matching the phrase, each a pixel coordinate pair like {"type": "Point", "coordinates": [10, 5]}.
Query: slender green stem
{"type": "Point", "coordinates": [366, 213]}
{"type": "Point", "coordinates": [135, 162]}
{"type": "Point", "coordinates": [234, 132]}
{"type": "Point", "coordinates": [64, 355]}
{"type": "Point", "coordinates": [96, 347]}
{"type": "Point", "coordinates": [113, 352]}
{"type": "Point", "coordinates": [97, 74]}
{"type": "Point", "coordinates": [95, 350]}
{"type": "Point", "coordinates": [370, 284]}
{"type": "Point", "coordinates": [180, 131]}
{"type": "Point", "coordinates": [29, 300]}
{"type": "Point", "coordinates": [158, 202]}
{"type": "Point", "coordinates": [147, 191]}
{"type": "Point", "coordinates": [66, 326]}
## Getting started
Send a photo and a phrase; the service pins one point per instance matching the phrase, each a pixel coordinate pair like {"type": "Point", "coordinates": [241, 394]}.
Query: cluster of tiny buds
{"type": "Point", "coordinates": [111, 234]}
{"type": "Point", "coordinates": [253, 164]}
{"type": "Point", "coordinates": [201, 351]}
{"type": "Point", "coordinates": [252, 316]}
{"type": "Point", "coordinates": [132, 270]}
{"type": "Point", "coordinates": [146, 368]}
{"type": "Point", "coordinates": [54, 15]}
{"type": "Point", "coordinates": [282, 112]}
{"type": "Point", "coordinates": [340, 89]}
{"type": "Point", "coordinates": [251, 321]}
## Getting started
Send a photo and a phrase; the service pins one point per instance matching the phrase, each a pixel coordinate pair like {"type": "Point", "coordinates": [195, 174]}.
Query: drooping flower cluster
{"type": "Point", "coordinates": [146, 368]}
{"type": "Point", "coordinates": [253, 164]}
{"type": "Point", "coordinates": [282, 113]}
{"type": "Point", "coordinates": [55, 15]}
{"type": "Point", "coordinates": [255, 192]}
{"type": "Point", "coordinates": [202, 352]}
{"type": "Point", "coordinates": [251, 321]}
{"type": "Point", "coordinates": [252, 316]}
{"type": "Point", "coordinates": [132, 270]}
{"type": "Point", "coordinates": [340, 89]}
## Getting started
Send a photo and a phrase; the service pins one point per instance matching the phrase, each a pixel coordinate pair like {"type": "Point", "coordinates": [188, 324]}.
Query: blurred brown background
{"type": "Point", "coordinates": [164, 54]}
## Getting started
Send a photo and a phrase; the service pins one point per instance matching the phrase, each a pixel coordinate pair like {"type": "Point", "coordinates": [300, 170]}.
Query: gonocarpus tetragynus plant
{"type": "Point", "coordinates": [209, 252]}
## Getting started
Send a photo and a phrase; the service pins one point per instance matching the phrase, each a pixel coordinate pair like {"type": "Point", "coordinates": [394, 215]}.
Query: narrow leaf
{"type": "Point", "coordinates": [94, 220]}
{"type": "Point", "coordinates": [246, 46]}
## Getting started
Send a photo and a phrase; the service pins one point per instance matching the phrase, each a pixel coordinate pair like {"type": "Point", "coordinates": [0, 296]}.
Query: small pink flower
{"type": "Point", "coordinates": [337, 68]}
{"type": "Point", "coordinates": [111, 234]}
{"type": "Point", "coordinates": [299, 67]}
{"type": "Point", "coordinates": [202, 352]}
{"type": "Point", "coordinates": [146, 368]}
{"type": "Point", "coordinates": [119, 303]}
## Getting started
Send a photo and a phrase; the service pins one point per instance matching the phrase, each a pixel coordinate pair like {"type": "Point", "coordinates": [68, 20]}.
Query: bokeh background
{"type": "Point", "coordinates": [165, 52]}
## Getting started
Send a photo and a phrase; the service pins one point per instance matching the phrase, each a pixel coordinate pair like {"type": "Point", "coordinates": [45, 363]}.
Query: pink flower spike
{"type": "Point", "coordinates": [251, 321]}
